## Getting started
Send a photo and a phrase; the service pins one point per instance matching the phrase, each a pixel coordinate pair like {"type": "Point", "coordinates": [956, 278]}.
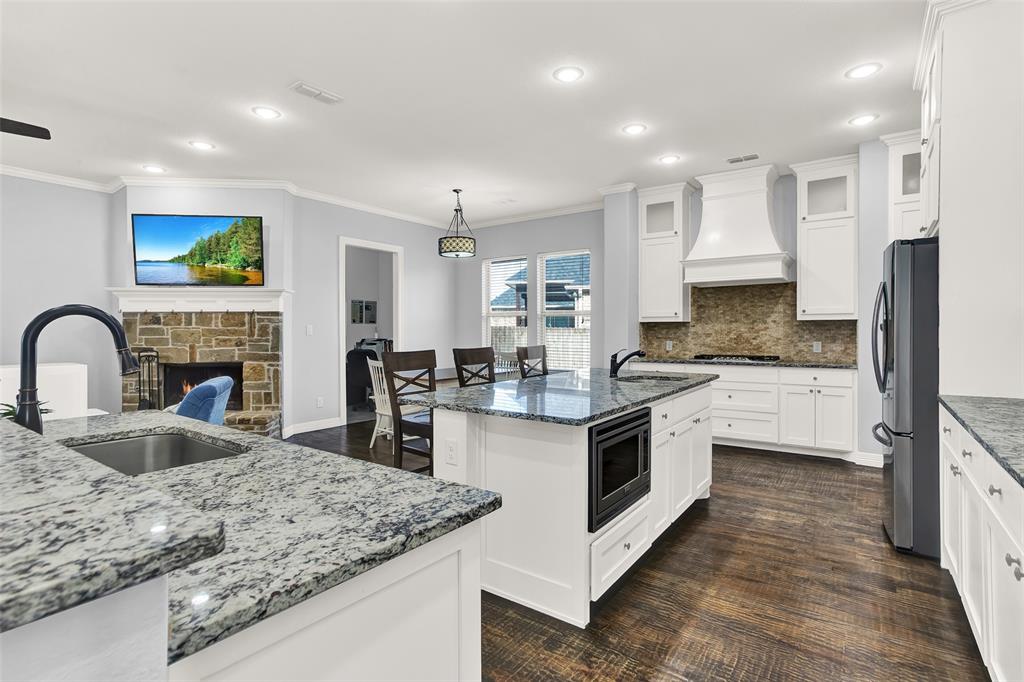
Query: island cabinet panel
{"type": "Point", "coordinates": [614, 552]}
{"type": "Point", "coordinates": [682, 467]}
{"type": "Point", "coordinates": [1006, 643]}
{"type": "Point", "coordinates": [660, 511]}
{"type": "Point", "coordinates": [701, 454]}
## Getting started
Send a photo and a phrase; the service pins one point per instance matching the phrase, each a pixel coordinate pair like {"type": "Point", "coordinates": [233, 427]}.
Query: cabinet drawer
{"type": "Point", "coordinates": [731, 395]}
{"type": "Point", "coordinates": [663, 415]}
{"type": "Point", "coordinates": [1004, 494]}
{"type": "Point", "coordinates": [616, 550]}
{"type": "Point", "coordinates": [749, 375]}
{"type": "Point", "coordinates": [949, 430]}
{"type": "Point", "coordinates": [689, 404]}
{"type": "Point", "coordinates": [842, 378]}
{"type": "Point", "coordinates": [755, 426]}
{"type": "Point", "coordinates": [971, 456]}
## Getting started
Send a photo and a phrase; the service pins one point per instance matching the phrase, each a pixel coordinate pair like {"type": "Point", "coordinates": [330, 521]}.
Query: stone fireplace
{"type": "Point", "coordinates": [195, 346]}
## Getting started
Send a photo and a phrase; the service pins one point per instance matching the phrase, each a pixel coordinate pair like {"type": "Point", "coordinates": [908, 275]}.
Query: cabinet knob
{"type": "Point", "coordinates": [819, 390]}
{"type": "Point", "coordinates": [924, 141]}
{"type": "Point", "coordinates": [968, 453]}
{"type": "Point", "coordinates": [626, 546]}
{"type": "Point", "coordinates": [804, 218]}
{"type": "Point", "coordinates": [1018, 574]}
{"type": "Point", "coordinates": [1011, 560]}
{"type": "Point", "coordinates": [675, 313]}
{"type": "Point", "coordinates": [955, 469]}
{"type": "Point", "coordinates": [803, 310]}
{"type": "Point", "coordinates": [729, 396]}
{"type": "Point", "coordinates": [672, 433]}
{"type": "Point", "coordinates": [993, 491]}
{"type": "Point", "coordinates": [815, 378]}
{"type": "Point", "coordinates": [923, 229]}
{"type": "Point", "coordinates": [729, 425]}
{"type": "Point", "coordinates": [945, 429]}
{"type": "Point", "coordinates": [664, 415]}
{"type": "Point", "coordinates": [810, 390]}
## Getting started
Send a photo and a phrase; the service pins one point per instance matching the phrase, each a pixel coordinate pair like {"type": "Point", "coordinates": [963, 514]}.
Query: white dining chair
{"type": "Point", "coordinates": [383, 424]}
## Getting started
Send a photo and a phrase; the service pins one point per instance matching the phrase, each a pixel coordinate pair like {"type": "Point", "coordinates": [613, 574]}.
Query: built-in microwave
{"type": "Point", "coordinates": [620, 465]}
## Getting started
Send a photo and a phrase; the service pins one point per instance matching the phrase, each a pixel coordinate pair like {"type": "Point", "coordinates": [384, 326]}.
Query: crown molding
{"type": "Point", "coordinates": [685, 185]}
{"type": "Point", "coordinates": [935, 12]}
{"type": "Point", "coordinates": [830, 162]}
{"type": "Point", "coordinates": [552, 213]}
{"type": "Point", "coordinates": [894, 139]}
{"type": "Point", "coordinates": [54, 179]}
{"type": "Point", "coordinates": [617, 189]}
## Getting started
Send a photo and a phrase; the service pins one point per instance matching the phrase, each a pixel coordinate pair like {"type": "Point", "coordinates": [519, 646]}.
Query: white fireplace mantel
{"type": "Point", "coordinates": [140, 299]}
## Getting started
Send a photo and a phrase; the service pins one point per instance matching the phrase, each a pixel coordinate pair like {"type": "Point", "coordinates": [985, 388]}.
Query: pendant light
{"type": "Point", "coordinates": [454, 244]}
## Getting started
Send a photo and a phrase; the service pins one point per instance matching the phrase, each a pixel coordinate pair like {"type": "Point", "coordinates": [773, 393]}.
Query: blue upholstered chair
{"type": "Point", "coordinates": [207, 401]}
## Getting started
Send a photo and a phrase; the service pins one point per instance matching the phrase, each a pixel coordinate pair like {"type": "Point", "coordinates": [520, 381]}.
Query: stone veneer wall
{"type": "Point", "coordinates": [759, 320]}
{"type": "Point", "coordinates": [254, 339]}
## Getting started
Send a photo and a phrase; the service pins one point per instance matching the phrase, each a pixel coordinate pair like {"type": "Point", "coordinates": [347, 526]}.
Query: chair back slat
{"type": "Point", "coordinates": [474, 365]}
{"type": "Point", "coordinates": [533, 361]}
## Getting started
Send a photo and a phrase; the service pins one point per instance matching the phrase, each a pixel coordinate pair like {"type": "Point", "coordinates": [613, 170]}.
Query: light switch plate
{"type": "Point", "coordinates": [451, 448]}
{"type": "Point", "coordinates": [309, 330]}
{"type": "Point", "coordinates": [668, 345]}
{"type": "Point", "coordinates": [816, 346]}
{"type": "Point", "coordinates": [319, 401]}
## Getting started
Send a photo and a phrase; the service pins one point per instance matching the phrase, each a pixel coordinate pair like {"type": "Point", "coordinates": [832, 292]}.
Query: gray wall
{"type": "Point", "coordinates": [55, 248]}
{"type": "Point", "coordinates": [872, 219]}
{"type": "Point", "coordinates": [529, 238]}
{"type": "Point", "coordinates": [620, 226]}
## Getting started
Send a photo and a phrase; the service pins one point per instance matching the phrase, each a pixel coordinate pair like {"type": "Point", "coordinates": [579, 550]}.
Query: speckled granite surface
{"type": "Point", "coordinates": [572, 398]}
{"type": "Point", "coordinates": [298, 521]}
{"type": "Point", "coordinates": [684, 361]}
{"type": "Point", "coordinates": [997, 424]}
{"type": "Point", "coordinates": [72, 530]}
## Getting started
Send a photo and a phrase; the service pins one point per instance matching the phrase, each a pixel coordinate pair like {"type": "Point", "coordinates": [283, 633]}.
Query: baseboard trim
{"type": "Point", "coordinates": [868, 459]}
{"type": "Point", "coordinates": [316, 425]}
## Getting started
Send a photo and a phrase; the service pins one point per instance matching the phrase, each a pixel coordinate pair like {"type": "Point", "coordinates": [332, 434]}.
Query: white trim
{"type": "Point", "coordinates": [822, 164]}
{"type": "Point", "coordinates": [141, 299]}
{"type": "Point", "coordinates": [316, 425]}
{"type": "Point", "coordinates": [553, 213]}
{"type": "Point", "coordinates": [870, 459]}
{"type": "Point", "coordinates": [66, 181]}
{"type": "Point", "coordinates": [674, 187]}
{"type": "Point", "coordinates": [397, 307]}
{"type": "Point", "coordinates": [617, 189]}
{"type": "Point", "coordinates": [894, 139]}
{"type": "Point", "coordinates": [936, 10]}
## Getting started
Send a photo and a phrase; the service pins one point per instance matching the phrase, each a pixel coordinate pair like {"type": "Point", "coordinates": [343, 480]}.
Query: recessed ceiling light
{"type": "Point", "coordinates": [634, 128]}
{"type": "Point", "coordinates": [201, 146]}
{"type": "Point", "coordinates": [151, 168]}
{"type": "Point", "coordinates": [863, 120]}
{"type": "Point", "coordinates": [864, 70]}
{"type": "Point", "coordinates": [266, 113]}
{"type": "Point", "coordinates": [568, 74]}
{"type": "Point", "coordinates": [669, 159]}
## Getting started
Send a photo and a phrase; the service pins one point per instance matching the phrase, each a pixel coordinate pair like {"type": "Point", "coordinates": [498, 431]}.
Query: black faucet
{"type": "Point", "coordinates": [617, 364]}
{"type": "Point", "coordinates": [28, 414]}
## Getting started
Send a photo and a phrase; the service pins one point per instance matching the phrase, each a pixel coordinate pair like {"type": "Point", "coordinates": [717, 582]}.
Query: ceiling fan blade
{"type": "Point", "coordinates": [26, 129]}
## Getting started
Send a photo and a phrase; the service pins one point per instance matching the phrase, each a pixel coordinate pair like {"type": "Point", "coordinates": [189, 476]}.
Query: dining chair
{"type": "Point", "coordinates": [474, 365]}
{"type": "Point", "coordinates": [408, 373]}
{"type": "Point", "coordinates": [383, 424]}
{"type": "Point", "coordinates": [533, 361]}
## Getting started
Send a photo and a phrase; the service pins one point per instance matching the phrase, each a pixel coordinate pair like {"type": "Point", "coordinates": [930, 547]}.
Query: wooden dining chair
{"type": "Point", "coordinates": [407, 373]}
{"type": "Point", "coordinates": [474, 365]}
{"type": "Point", "coordinates": [533, 361]}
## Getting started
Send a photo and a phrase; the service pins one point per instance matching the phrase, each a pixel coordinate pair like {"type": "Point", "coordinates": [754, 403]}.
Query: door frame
{"type": "Point", "coordinates": [397, 309]}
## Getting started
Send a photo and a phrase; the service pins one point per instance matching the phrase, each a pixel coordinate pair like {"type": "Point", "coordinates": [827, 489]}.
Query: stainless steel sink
{"type": "Point", "coordinates": [143, 454]}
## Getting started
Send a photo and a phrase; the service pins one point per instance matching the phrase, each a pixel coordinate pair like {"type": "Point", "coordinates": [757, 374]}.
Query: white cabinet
{"type": "Point", "coordinates": [905, 215]}
{"type": "Point", "coordinates": [931, 175]}
{"type": "Point", "coordinates": [817, 417]}
{"type": "Point", "coordinates": [660, 509]}
{"type": "Point", "coordinates": [972, 559]}
{"type": "Point", "coordinates": [1006, 638]}
{"type": "Point", "coordinates": [700, 453]}
{"type": "Point", "coordinates": [952, 510]}
{"type": "Point", "coordinates": [664, 243]}
{"type": "Point", "coordinates": [827, 239]}
{"type": "Point", "coordinates": [796, 415]}
{"type": "Point", "coordinates": [682, 493]}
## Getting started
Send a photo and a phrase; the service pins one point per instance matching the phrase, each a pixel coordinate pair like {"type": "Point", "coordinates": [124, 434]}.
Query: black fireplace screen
{"type": "Point", "coordinates": [180, 378]}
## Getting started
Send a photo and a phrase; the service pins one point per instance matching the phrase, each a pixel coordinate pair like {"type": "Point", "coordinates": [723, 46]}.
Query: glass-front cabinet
{"type": "Point", "coordinates": [827, 193]}
{"type": "Point", "coordinates": [906, 218]}
{"type": "Point", "coordinates": [664, 243]}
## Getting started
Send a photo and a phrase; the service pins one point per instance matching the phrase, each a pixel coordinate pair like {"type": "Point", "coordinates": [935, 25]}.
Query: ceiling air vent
{"type": "Point", "coordinates": [741, 159]}
{"type": "Point", "coordinates": [319, 94]}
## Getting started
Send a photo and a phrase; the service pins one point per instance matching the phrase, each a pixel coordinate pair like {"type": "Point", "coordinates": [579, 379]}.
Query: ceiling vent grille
{"type": "Point", "coordinates": [745, 157]}
{"type": "Point", "coordinates": [314, 92]}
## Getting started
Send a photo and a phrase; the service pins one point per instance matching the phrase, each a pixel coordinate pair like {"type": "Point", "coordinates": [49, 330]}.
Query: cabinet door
{"type": "Point", "coordinates": [660, 509]}
{"type": "Point", "coordinates": [682, 467]}
{"type": "Point", "coordinates": [827, 194]}
{"type": "Point", "coordinates": [796, 415]}
{"type": "Point", "coordinates": [952, 511]}
{"type": "Point", "coordinates": [974, 558]}
{"type": "Point", "coordinates": [827, 270]}
{"type": "Point", "coordinates": [908, 221]}
{"type": "Point", "coordinates": [930, 178]}
{"type": "Point", "coordinates": [661, 215]}
{"type": "Point", "coordinates": [1006, 637]}
{"type": "Point", "coordinates": [833, 423]}
{"type": "Point", "coordinates": [661, 280]}
{"type": "Point", "coordinates": [700, 454]}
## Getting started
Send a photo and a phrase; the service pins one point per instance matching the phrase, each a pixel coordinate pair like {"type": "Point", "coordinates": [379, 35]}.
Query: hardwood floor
{"type": "Point", "coordinates": [784, 574]}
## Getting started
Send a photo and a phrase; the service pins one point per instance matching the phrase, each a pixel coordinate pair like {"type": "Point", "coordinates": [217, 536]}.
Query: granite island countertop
{"type": "Point", "coordinates": [297, 521]}
{"type": "Point", "coordinates": [997, 424]}
{"type": "Point", "coordinates": [73, 530]}
{"type": "Point", "coordinates": [572, 398]}
{"type": "Point", "coordinates": [691, 361]}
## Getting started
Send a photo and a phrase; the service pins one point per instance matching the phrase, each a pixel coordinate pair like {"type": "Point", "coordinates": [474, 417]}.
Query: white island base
{"type": "Point", "coordinates": [536, 549]}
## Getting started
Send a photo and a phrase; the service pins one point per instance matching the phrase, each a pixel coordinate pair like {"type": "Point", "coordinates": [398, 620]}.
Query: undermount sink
{"type": "Point", "coordinates": [143, 454]}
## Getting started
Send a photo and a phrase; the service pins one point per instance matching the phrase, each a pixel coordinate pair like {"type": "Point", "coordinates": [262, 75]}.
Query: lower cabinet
{"type": "Point", "coordinates": [1006, 638]}
{"type": "Point", "coordinates": [701, 452]}
{"type": "Point", "coordinates": [680, 461]}
{"type": "Point", "coordinates": [660, 510]}
{"type": "Point", "coordinates": [816, 417]}
{"type": "Point", "coordinates": [952, 509]}
{"type": "Point", "coordinates": [796, 415]}
{"type": "Point", "coordinates": [682, 466]}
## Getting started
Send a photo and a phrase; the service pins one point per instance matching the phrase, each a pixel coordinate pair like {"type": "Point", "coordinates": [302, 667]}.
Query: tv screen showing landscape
{"type": "Point", "coordinates": [198, 250]}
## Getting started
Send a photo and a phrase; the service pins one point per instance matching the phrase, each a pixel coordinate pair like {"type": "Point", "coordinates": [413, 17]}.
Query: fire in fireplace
{"type": "Point", "coordinates": [180, 378]}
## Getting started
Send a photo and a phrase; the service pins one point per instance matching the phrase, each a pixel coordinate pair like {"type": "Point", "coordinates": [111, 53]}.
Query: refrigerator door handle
{"type": "Point", "coordinates": [880, 300]}
{"type": "Point", "coordinates": [882, 438]}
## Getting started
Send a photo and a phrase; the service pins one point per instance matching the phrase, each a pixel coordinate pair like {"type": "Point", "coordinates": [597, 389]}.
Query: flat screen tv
{"type": "Point", "coordinates": [198, 250]}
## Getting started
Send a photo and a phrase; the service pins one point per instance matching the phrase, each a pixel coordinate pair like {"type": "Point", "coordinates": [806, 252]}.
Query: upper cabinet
{"type": "Point", "coordinates": [664, 242]}
{"type": "Point", "coordinates": [826, 262]}
{"type": "Point", "coordinates": [931, 128]}
{"type": "Point", "coordinates": [906, 220]}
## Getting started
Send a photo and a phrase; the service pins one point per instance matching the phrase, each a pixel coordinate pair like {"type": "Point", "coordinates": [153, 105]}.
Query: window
{"type": "Point", "coordinates": [505, 304]}
{"type": "Point", "coordinates": [564, 325]}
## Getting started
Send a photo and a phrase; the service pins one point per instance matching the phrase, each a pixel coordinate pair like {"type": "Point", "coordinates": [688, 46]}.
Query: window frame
{"type": "Point", "coordinates": [485, 286]}
{"type": "Point", "coordinates": [543, 314]}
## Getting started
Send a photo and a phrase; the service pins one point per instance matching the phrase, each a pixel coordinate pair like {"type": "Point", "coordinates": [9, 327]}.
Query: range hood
{"type": "Point", "coordinates": [737, 242]}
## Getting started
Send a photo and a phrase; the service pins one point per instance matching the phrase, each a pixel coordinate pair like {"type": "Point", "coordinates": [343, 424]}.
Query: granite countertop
{"type": "Point", "coordinates": [572, 398]}
{"type": "Point", "coordinates": [997, 424]}
{"type": "Point", "coordinates": [298, 521]}
{"type": "Point", "coordinates": [685, 361]}
{"type": "Point", "coordinates": [73, 530]}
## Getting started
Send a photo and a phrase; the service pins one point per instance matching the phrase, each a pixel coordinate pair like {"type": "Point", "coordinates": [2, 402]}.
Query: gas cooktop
{"type": "Point", "coordinates": [744, 359]}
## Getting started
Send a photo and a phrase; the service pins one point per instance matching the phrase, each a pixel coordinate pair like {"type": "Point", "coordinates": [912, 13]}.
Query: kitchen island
{"type": "Point", "coordinates": [531, 441]}
{"type": "Point", "coordinates": [281, 562]}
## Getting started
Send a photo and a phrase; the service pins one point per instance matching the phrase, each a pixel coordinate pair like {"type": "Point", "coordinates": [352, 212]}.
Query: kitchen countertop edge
{"type": "Point", "coordinates": [797, 365]}
{"type": "Point", "coordinates": [988, 430]}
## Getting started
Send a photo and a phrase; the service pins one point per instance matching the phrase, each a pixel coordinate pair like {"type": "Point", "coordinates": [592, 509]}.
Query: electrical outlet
{"type": "Point", "coordinates": [816, 346]}
{"type": "Point", "coordinates": [319, 401]}
{"type": "Point", "coordinates": [450, 453]}
{"type": "Point", "coordinates": [309, 330]}
{"type": "Point", "coordinates": [668, 345]}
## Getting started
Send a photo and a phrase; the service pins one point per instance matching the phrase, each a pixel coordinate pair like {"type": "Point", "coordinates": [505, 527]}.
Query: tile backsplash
{"type": "Point", "coordinates": [759, 320]}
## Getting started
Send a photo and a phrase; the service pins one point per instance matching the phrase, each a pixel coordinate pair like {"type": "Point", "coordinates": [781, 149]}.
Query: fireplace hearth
{"type": "Point", "coordinates": [180, 378]}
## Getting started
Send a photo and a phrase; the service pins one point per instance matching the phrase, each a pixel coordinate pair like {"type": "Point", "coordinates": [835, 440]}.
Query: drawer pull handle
{"type": "Point", "coordinates": [672, 433]}
{"type": "Point", "coordinates": [955, 469]}
{"type": "Point", "coordinates": [698, 419]}
{"type": "Point", "coordinates": [968, 453]}
{"type": "Point", "coordinates": [945, 429]}
{"type": "Point", "coordinates": [1011, 560]}
{"type": "Point", "coordinates": [992, 490]}
{"type": "Point", "coordinates": [1018, 574]}
{"type": "Point", "coordinates": [664, 415]}
{"type": "Point", "coordinates": [626, 546]}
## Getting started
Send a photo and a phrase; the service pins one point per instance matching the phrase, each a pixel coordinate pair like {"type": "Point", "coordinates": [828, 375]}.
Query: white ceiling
{"type": "Point", "coordinates": [449, 94]}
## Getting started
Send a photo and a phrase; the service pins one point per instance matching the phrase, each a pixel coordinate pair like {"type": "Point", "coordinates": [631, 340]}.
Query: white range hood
{"type": "Point", "coordinates": [737, 242]}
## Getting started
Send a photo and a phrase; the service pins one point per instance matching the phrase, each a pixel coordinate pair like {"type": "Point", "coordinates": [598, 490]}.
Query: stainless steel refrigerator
{"type": "Point", "coordinates": [905, 350]}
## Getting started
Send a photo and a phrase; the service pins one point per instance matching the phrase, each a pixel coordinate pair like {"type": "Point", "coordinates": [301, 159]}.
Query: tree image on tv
{"type": "Point", "coordinates": [237, 247]}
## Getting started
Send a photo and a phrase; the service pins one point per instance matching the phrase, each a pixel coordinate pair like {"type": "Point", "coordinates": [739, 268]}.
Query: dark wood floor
{"type": "Point", "coordinates": [784, 574]}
